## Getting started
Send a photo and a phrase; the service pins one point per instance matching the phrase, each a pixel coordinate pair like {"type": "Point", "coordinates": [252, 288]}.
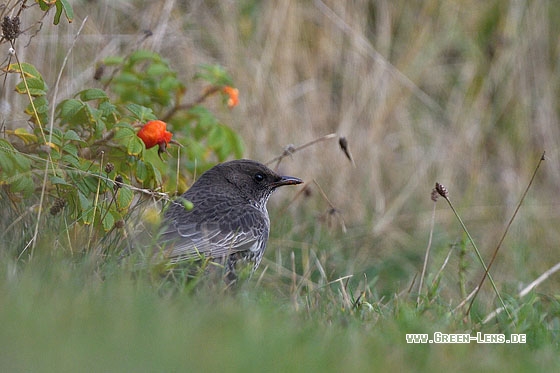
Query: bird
{"type": "Point", "coordinates": [228, 221]}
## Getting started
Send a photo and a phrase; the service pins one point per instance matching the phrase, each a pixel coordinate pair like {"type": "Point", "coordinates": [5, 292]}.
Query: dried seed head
{"type": "Point", "coordinates": [435, 195]}
{"type": "Point", "coordinates": [289, 150]}
{"type": "Point", "coordinates": [118, 182]}
{"type": "Point", "coordinates": [307, 192]}
{"type": "Point", "coordinates": [109, 167]}
{"type": "Point", "coordinates": [57, 206]}
{"type": "Point", "coordinates": [119, 224]}
{"type": "Point", "coordinates": [343, 143]}
{"type": "Point", "coordinates": [99, 70]}
{"type": "Point", "coordinates": [442, 190]}
{"type": "Point", "coordinates": [10, 28]}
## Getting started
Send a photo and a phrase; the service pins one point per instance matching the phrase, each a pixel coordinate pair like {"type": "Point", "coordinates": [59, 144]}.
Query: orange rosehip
{"type": "Point", "coordinates": [155, 133]}
{"type": "Point", "coordinates": [233, 94]}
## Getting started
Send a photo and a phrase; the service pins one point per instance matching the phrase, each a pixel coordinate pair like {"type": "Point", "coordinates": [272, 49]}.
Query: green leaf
{"type": "Point", "coordinates": [116, 215]}
{"type": "Point", "coordinates": [233, 141]}
{"type": "Point", "coordinates": [40, 107]}
{"type": "Point", "coordinates": [169, 84]}
{"type": "Point", "coordinates": [158, 69]}
{"type": "Point", "coordinates": [215, 137]}
{"type": "Point", "coordinates": [108, 220]}
{"type": "Point", "coordinates": [22, 162]}
{"type": "Point", "coordinates": [88, 184]}
{"type": "Point", "coordinates": [41, 104]}
{"type": "Point", "coordinates": [69, 108]}
{"type": "Point", "coordinates": [87, 215]}
{"type": "Point", "coordinates": [71, 135]}
{"type": "Point", "coordinates": [142, 113]}
{"type": "Point", "coordinates": [107, 109]}
{"type": "Point", "coordinates": [214, 74]}
{"type": "Point", "coordinates": [150, 177]}
{"type": "Point", "coordinates": [113, 60]}
{"type": "Point", "coordinates": [205, 121]}
{"type": "Point", "coordinates": [22, 183]}
{"type": "Point", "coordinates": [28, 138]}
{"type": "Point", "coordinates": [141, 171]}
{"type": "Point", "coordinates": [56, 180]}
{"type": "Point", "coordinates": [54, 153]}
{"type": "Point", "coordinates": [157, 176]}
{"type": "Point", "coordinates": [7, 165]}
{"type": "Point", "coordinates": [11, 162]}
{"type": "Point", "coordinates": [71, 149]}
{"type": "Point", "coordinates": [68, 11]}
{"type": "Point", "coordinates": [100, 126]}
{"type": "Point", "coordinates": [85, 203]}
{"type": "Point", "coordinates": [72, 160]}
{"type": "Point", "coordinates": [43, 5]}
{"type": "Point", "coordinates": [123, 132]}
{"type": "Point", "coordinates": [28, 70]}
{"type": "Point", "coordinates": [126, 78]}
{"type": "Point", "coordinates": [63, 6]}
{"type": "Point", "coordinates": [144, 54]}
{"type": "Point", "coordinates": [135, 146]}
{"type": "Point", "coordinates": [55, 137]}
{"type": "Point", "coordinates": [93, 94]}
{"type": "Point", "coordinates": [124, 198]}
{"type": "Point", "coordinates": [37, 87]}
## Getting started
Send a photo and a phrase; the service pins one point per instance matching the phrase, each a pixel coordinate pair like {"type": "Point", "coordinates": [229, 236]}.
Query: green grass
{"type": "Point", "coordinates": [62, 316]}
{"type": "Point", "coordinates": [462, 94]}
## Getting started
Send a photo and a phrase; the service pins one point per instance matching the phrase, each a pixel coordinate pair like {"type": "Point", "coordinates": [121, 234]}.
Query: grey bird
{"type": "Point", "coordinates": [229, 221]}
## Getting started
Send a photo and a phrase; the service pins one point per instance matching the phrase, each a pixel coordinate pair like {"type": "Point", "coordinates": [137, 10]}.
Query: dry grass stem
{"type": "Point", "coordinates": [427, 255]}
{"type": "Point", "coordinates": [291, 149]}
{"type": "Point", "coordinates": [442, 190]}
{"type": "Point", "coordinates": [486, 273]}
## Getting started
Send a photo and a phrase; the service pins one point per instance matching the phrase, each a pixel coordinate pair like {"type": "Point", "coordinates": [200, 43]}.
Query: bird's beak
{"type": "Point", "coordinates": [287, 180]}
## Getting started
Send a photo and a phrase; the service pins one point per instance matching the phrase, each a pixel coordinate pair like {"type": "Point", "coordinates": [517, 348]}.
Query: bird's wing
{"type": "Point", "coordinates": [191, 240]}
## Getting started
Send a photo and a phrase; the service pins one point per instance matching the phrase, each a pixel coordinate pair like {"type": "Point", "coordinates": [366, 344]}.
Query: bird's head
{"type": "Point", "coordinates": [254, 179]}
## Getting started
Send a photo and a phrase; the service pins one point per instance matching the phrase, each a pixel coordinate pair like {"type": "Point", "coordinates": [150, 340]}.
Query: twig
{"type": "Point", "coordinates": [412, 283]}
{"type": "Point", "coordinates": [207, 92]}
{"type": "Point", "coordinates": [289, 150]}
{"type": "Point", "coordinates": [507, 230]}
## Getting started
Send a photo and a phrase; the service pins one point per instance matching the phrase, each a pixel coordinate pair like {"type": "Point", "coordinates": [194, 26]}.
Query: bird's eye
{"type": "Point", "coordinates": [259, 177]}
